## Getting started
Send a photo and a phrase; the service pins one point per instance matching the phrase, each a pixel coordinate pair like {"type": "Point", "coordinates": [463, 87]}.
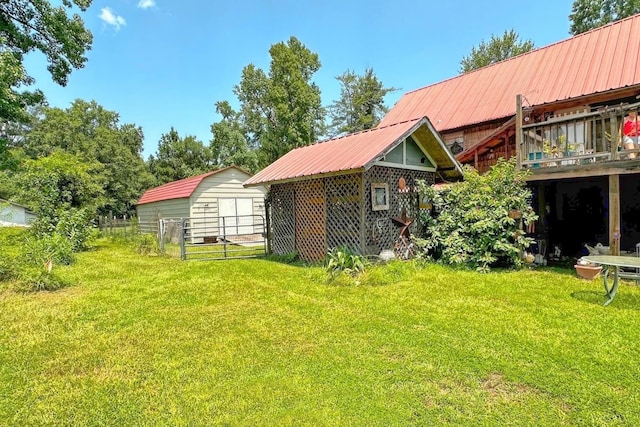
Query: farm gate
{"type": "Point", "coordinates": [213, 237]}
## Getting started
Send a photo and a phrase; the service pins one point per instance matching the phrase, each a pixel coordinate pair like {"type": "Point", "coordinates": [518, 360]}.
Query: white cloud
{"type": "Point", "coordinates": [146, 4]}
{"type": "Point", "coordinates": [111, 18]}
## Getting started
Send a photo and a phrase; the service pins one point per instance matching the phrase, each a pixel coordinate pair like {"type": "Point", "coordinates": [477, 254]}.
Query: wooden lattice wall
{"type": "Point", "coordinates": [313, 216]}
{"type": "Point", "coordinates": [380, 230]}
{"type": "Point", "coordinates": [282, 219]}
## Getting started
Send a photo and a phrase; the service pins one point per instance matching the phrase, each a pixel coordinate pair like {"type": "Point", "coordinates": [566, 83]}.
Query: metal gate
{"type": "Point", "coordinates": [214, 237]}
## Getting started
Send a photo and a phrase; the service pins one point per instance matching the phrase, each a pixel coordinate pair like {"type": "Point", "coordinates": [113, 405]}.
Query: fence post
{"type": "Point", "coordinates": [224, 237]}
{"type": "Point", "coordinates": [161, 227]}
{"type": "Point", "coordinates": [183, 249]}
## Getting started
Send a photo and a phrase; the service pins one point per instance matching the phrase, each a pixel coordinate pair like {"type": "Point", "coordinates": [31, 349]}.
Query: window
{"type": "Point", "coordinates": [379, 196]}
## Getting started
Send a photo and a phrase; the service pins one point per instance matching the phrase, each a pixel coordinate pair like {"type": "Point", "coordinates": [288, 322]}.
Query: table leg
{"type": "Point", "coordinates": [612, 292]}
{"type": "Point", "coordinates": [605, 277]}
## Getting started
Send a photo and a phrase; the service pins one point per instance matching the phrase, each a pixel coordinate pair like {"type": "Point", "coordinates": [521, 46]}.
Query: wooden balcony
{"type": "Point", "coordinates": [578, 143]}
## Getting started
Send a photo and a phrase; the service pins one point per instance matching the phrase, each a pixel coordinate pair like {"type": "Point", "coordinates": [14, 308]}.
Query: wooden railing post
{"type": "Point", "coordinates": [518, 130]}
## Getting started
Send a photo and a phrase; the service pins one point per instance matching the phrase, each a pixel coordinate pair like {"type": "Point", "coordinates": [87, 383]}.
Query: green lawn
{"type": "Point", "coordinates": [156, 341]}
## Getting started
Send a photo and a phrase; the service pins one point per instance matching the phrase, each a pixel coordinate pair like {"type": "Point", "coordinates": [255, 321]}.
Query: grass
{"type": "Point", "coordinates": [156, 341]}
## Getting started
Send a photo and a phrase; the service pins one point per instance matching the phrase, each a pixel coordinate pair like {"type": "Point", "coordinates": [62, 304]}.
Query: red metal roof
{"type": "Point", "coordinates": [176, 189]}
{"type": "Point", "coordinates": [596, 61]}
{"type": "Point", "coordinates": [350, 152]}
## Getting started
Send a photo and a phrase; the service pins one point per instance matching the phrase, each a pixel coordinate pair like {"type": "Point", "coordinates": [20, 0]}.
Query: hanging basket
{"type": "Point", "coordinates": [515, 214]}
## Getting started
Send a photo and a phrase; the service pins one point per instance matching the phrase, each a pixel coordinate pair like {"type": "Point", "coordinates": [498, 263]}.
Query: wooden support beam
{"type": "Point", "coordinates": [614, 214]}
{"type": "Point", "coordinates": [518, 129]}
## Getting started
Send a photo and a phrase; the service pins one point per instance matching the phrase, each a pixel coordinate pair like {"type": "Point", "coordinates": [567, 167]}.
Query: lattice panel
{"type": "Point", "coordinates": [311, 218]}
{"type": "Point", "coordinates": [344, 196]}
{"type": "Point", "coordinates": [381, 232]}
{"type": "Point", "coordinates": [282, 219]}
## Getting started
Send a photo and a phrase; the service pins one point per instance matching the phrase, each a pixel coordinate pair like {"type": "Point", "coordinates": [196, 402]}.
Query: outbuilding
{"type": "Point", "coordinates": [13, 214]}
{"type": "Point", "coordinates": [216, 203]}
{"type": "Point", "coordinates": [358, 191]}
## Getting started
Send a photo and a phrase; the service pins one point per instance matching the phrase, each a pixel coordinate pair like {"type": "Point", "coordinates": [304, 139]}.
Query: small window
{"type": "Point", "coordinates": [380, 196]}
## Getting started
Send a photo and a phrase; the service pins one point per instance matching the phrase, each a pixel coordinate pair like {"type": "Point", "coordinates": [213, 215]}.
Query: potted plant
{"type": "Point", "coordinates": [587, 270]}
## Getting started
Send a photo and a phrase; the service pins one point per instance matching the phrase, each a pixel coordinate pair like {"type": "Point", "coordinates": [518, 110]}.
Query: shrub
{"type": "Point", "coordinates": [40, 250]}
{"type": "Point", "coordinates": [470, 224]}
{"type": "Point", "coordinates": [146, 244]}
{"type": "Point", "coordinates": [74, 224]}
{"type": "Point", "coordinates": [33, 279]}
{"type": "Point", "coordinates": [344, 260]}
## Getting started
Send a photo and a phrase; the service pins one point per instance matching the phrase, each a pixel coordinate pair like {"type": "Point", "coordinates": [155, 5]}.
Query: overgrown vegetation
{"type": "Point", "coordinates": [472, 222]}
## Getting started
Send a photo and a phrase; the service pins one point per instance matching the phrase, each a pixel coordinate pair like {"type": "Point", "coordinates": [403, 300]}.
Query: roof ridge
{"type": "Point", "coordinates": [610, 24]}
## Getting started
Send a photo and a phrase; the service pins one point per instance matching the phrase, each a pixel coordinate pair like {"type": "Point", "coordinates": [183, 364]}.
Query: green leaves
{"type": "Point", "coordinates": [589, 14]}
{"type": "Point", "coordinates": [179, 158]}
{"type": "Point", "coordinates": [28, 25]}
{"type": "Point", "coordinates": [361, 104]}
{"type": "Point", "coordinates": [281, 110]}
{"type": "Point", "coordinates": [471, 224]}
{"type": "Point", "coordinates": [497, 49]}
{"type": "Point", "coordinates": [344, 260]}
{"type": "Point", "coordinates": [95, 136]}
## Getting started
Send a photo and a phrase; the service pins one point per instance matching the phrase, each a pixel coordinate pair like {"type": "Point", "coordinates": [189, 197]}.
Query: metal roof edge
{"type": "Point", "coordinates": [305, 177]}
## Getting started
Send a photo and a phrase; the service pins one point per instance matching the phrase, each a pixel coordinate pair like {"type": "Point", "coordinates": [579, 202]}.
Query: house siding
{"type": "Point", "coordinates": [11, 214]}
{"type": "Point", "coordinates": [149, 213]}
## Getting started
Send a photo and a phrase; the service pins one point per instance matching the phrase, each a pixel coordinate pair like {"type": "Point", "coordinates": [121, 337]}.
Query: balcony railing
{"type": "Point", "coordinates": [578, 139]}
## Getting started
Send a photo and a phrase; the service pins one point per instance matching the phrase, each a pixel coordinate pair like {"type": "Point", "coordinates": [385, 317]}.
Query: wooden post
{"type": "Point", "coordinates": [518, 130]}
{"type": "Point", "coordinates": [615, 136]}
{"type": "Point", "coordinates": [614, 214]}
{"type": "Point", "coordinates": [363, 221]}
{"type": "Point", "coordinates": [475, 159]}
{"type": "Point", "coordinates": [542, 209]}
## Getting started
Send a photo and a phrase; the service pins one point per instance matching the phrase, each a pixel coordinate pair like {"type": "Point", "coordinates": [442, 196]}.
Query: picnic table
{"type": "Point", "coordinates": [615, 263]}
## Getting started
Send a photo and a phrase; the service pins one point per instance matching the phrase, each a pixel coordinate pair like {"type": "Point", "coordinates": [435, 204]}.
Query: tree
{"type": "Point", "coordinates": [361, 104]}
{"type": "Point", "coordinates": [282, 110]}
{"type": "Point", "coordinates": [495, 50]}
{"type": "Point", "coordinates": [94, 134]}
{"type": "Point", "coordinates": [179, 158]}
{"type": "Point", "coordinates": [229, 145]}
{"type": "Point", "coordinates": [28, 25]}
{"type": "Point", "coordinates": [61, 180]}
{"type": "Point", "coordinates": [589, 14]}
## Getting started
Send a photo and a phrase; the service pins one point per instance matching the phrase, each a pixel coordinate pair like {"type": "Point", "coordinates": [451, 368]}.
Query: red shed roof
{"type": "Point", "coordinates": [352, 152]}
{"type": "Point", "coordinates": [599, 60]}
{"type": "Point", "coordinates": [176, 189]}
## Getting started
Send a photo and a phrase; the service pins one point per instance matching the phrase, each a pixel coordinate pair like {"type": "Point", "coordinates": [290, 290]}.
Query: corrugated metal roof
{"type": "Point", "coordinates": [176, 189]}
{"type": "Point", "coordinates": [599, 60]}
{"type": "Point", "coordinates": [348, 153]}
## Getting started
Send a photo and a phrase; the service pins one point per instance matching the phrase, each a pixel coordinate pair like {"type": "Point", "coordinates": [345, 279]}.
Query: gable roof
{"type": "Point", "coordinates": [178, 189]}
{"type": "Point", "coordinates": [596, 61]}
{"type": "Point", "coordinates": [353, 152]}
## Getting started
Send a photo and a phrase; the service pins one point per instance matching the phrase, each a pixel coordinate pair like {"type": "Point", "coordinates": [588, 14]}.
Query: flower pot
{"type": "Point", "coordinates": [515, 214]}
{"type": "Point", "coordinates": [588, 272]}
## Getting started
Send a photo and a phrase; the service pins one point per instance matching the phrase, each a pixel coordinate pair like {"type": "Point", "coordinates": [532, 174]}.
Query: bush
{"type": "Point", "coordinates": [470, 224]}
{"type": "Point", "coordinates": [147, 244]}
{"type": "Point", "coordinates": [76, 226]}
{"type": "Point", "coordinates": [33, 279]}
{"type": "Point", "coordinates": [38, 251]}
{"type": "Point", "coordinates": [7, 268]}
{"type": "Point", "coordinates": [344, 260]}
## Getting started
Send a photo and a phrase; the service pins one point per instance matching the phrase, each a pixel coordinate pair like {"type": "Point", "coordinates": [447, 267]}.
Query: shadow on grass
{"type": "Point", "coordinates": [621, 301]}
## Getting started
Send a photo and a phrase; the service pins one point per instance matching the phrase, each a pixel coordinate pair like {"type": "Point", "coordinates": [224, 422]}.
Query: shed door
{"type": "Point", "coordinates": [237, 216]}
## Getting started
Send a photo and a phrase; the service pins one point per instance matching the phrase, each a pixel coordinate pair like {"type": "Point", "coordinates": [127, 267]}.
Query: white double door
{"type": "Point", "coordinates": [235, 215]}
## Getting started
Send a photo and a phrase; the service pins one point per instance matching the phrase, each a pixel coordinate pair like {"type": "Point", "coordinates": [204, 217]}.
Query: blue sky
{"type": "Point", "coordinates": [163, 63]}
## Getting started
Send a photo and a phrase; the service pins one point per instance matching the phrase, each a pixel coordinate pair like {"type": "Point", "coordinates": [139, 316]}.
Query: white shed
{"type": "Point", "coordinates": [211, 200]}
{"type": "Point", "coordinates": [12, 214]}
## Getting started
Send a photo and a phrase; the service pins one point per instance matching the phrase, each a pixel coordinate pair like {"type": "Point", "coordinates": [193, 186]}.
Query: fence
{"type": "Point", "coordinates": [119, 226]}
{"type": "Point", "coordinates": [213, 238]}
